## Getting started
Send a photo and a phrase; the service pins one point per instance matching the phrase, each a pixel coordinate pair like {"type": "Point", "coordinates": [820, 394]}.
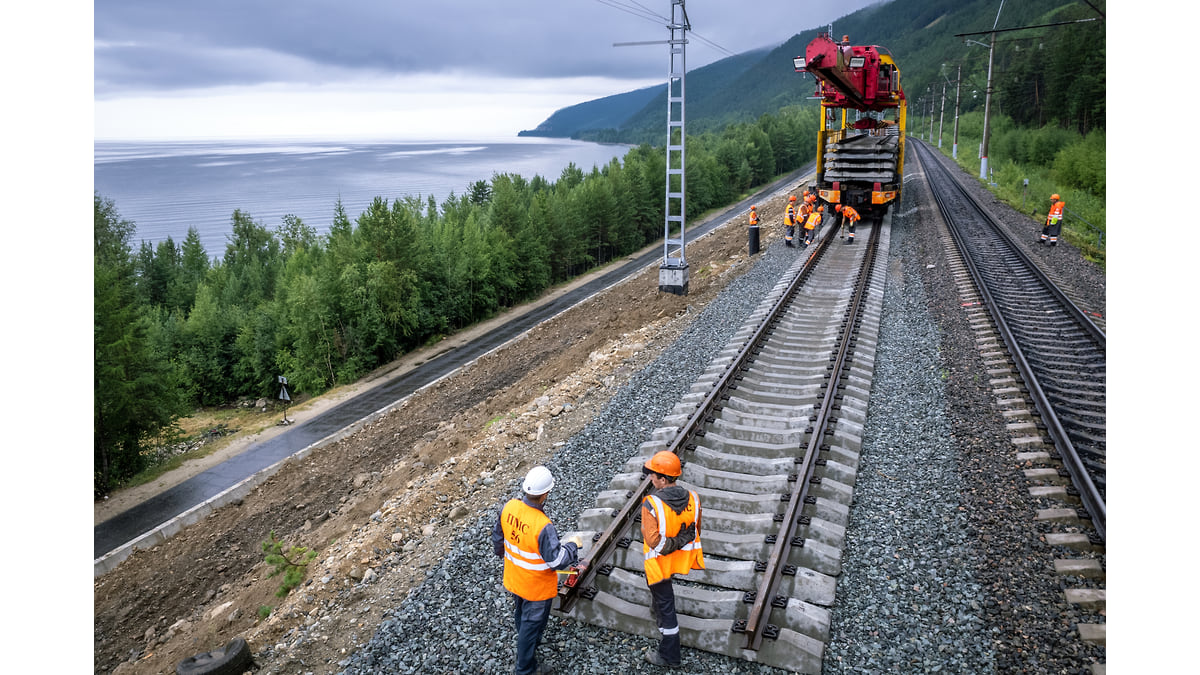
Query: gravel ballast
{"type": "Point", "coordinates": [943, 570]}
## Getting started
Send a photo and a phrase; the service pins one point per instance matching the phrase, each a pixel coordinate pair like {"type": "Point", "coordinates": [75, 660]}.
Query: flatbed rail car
{"type": "Point", "coordinates": [860, 147]}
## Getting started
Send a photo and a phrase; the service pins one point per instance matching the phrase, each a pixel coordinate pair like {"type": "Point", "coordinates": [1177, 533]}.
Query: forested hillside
{"type": "Point", "coordinates": [1050, 74]}
{"type": "Point", "coordinates": [175, 330]}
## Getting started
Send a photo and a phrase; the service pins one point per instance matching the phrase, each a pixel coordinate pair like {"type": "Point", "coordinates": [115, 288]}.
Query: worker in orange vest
{"type": "Point", "coordinates": [811, 223]}
{"type": "Point", "coordinates": [849, 216]}
{"type": "Point", "coordinates": [671, 544]}
{"type": "Point", "coordinates": [1053, 221]}
{"type": "Point", "coordinates": [789, 221]}
{"type": "Point", "coordinates": [527, 540]}
{"type": "Point", "coordinates": [752, 232]}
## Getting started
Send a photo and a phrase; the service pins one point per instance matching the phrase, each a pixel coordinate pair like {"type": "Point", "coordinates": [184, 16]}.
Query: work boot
{"type": "Point", "coordinates": [652, 656]}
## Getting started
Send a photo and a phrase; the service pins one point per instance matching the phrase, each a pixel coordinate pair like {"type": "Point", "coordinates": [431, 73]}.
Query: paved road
{"type": "Point", "coordinates": [145, 517]}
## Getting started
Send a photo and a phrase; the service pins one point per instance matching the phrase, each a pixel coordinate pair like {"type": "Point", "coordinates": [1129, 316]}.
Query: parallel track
{"type": "Point", "coordinates": [770, 439]}
{"type": "Point", "coordinates": [1058, 350]}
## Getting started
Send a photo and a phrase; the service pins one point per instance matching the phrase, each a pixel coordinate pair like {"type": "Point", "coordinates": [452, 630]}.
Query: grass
{"type": "Point", "coordinates": [231, 422]}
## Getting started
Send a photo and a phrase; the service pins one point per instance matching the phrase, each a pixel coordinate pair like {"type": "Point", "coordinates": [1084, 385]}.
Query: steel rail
{"type": "Point", "coordinates": [764, 598]}
{"type": "Point", "coordinates": [1092, 500]}
{"type": "Point", "coordinates": [605, 543]}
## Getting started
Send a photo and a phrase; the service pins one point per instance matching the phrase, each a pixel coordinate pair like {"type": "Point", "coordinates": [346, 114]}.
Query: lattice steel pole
{"type": "Point", "coordinates": [673, 273]}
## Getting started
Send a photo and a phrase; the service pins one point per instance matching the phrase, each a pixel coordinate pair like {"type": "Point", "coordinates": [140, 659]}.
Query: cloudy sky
{"type": "Point", "coordinates": [397, 68]}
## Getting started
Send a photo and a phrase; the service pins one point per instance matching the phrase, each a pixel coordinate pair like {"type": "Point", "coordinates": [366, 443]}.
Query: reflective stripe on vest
{"type": "Point", "coordinates": [690, 557]}
{"type": "Point", "coordinates": [525, 572]}
{"type": "Point", "coordinates": [811, 223]}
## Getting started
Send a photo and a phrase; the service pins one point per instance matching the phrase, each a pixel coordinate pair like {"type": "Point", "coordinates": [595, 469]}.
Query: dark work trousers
{"type": "Point", "coordinates": [530, 617]}
{"type": "Point", "coordinates": [663, 595]}
{"type": "Point", "coordinates": [789, 231]}
{"type": "Point", "coordinates": [1052, 232]}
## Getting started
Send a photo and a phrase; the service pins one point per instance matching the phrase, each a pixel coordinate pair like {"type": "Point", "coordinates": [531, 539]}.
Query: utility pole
{"type": "Point", "coordinates": [987, 111]}
{"type": "Point", "coordinates": [673, 272]}
{"type": "Point", "coordinates": [957, 92]}
{"type": "Point", "coordinates": [942, 114]}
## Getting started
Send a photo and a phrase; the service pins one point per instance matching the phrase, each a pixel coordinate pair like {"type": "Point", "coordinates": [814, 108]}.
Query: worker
{"type": "Point", "coordinates": [752, 231]}
{"type": "Point", "coordinates": [850, 218]}
{"type": "Point", "coordinates": [811, 224]}
{"type": "Point", "coordinates": [527, 540]}
{"type": "Point", "coordinates": [789, 221]}
{"type": "Point", "coordinates": [1053, 220]}
{"type": "Point", "coordinates": [671, 544]}
{"type": "Point", "coordinates": [806, 206]}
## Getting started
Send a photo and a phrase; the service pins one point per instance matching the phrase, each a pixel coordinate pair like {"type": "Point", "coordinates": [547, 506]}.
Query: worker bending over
{"type": "Point", "coordinates": [850, 219]}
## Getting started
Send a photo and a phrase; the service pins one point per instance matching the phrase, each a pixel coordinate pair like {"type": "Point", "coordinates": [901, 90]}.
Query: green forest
{"type": "Point", "coordinates": [174, 330]}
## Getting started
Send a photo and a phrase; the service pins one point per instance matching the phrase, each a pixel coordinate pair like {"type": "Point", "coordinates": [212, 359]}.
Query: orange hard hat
{"type": "Point", "coordinates": [820, 208]}
{"type": "Point", "coordinates": [664, 462]}
{"type": "Point", "coordinates": [1054, 197]}
{"type": "Point", "coordinates": [792, 198]}
{"type": "Point", "coordinates": [752, 207]}
{"type": "Point", "coordinates": [838, 207]}
{"type": "Point", "coordinates": [810, 198]}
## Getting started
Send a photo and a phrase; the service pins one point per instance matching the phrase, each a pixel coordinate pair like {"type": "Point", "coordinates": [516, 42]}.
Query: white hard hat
{"type": "Point", "coordinates": [538, 481]}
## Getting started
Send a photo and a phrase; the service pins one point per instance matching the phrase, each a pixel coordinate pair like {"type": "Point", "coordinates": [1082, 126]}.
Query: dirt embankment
{"type": "Point", "coordinates": [379, 505]}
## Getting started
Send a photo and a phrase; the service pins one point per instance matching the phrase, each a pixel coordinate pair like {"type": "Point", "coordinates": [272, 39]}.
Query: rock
{"type": "Point", "coordinates": [261, 403]}
{"type": "Point", "coordinates": [361, 480]}
{"type": "Point", "coordinates": [458, 513]}
{"type": "Point", "coordinates": [370, 576]}
{"type": "Point", "coordinates": [397, 537]}
{"type": "Point", "coordinates": [427, 530]}
{"type": "Point", "coordinates": [356, 574]}
{"type": "Point", "coordinates": [149, 636]}
{"type": "Point", "coordinates": [215, 611]}
{"type": "Point", "coordinates": [234, 615]}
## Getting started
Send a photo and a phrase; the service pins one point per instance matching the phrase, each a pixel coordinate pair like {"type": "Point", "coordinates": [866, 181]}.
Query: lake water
{"type": "Point", "coordinates": [164, 188]}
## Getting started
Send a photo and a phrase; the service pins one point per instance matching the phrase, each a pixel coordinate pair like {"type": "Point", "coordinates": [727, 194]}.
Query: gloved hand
{"type": "Point", "coordinates": [575, 539]}
{"type": "Point", "coordinates": [685, 537]}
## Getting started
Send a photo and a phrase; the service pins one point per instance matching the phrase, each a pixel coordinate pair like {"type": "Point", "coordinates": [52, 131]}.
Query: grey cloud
{"type": "Point", "coordinates": [180, 45]}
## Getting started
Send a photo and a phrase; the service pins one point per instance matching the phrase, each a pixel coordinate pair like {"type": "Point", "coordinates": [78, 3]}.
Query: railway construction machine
{"type": "Point", "coordinates": [860, 148]}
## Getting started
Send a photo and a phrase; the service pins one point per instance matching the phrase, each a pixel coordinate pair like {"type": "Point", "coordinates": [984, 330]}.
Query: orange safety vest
{"type": "Point", "coordinates": [850, 214]}
{"type": "Point", "coordinates": [789, 216]}
{"type": "Point", "coordinates": [811, 223]}
{"type": "Point", "coordinates": [690, 557]}
{"type": "Point", "coordinates": [1055, 213]}
{"type": "Point", "coordinates": [525, 572]}
{"type": "Point", "coordinates": [754, 219]}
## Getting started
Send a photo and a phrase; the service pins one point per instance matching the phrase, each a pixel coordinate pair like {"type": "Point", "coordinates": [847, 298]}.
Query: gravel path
{"type": "Point", "coordinates": [943, 571]}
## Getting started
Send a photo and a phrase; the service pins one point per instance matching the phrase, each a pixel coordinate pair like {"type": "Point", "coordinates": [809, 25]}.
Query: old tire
{"type": "Point", "coordinates": [232, 659]}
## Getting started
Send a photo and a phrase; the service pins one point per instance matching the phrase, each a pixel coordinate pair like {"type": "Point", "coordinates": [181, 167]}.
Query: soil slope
{"type": "Point", "coordinates": [393, 491]}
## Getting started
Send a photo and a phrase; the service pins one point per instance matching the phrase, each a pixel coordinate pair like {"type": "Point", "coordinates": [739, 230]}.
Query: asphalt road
{"type": "Point", "coordinates": [145, 517]}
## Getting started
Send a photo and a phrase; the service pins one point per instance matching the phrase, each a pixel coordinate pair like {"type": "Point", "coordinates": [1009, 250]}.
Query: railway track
{"type": "Point", "coordinates": [769, 439]}
{"type": "Point", "coordinates": [1057, 349]}
{"type": "Point", "coordinates": [1051, 399]}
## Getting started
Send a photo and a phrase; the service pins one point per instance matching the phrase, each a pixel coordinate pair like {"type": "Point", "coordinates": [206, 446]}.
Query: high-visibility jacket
{"type": "Point", "coordinates": [526, 573]}
{"type": "Point", "coordinates": [661, 566]}
{"type": "Point", "coordinates": [805, 209]}
{"type": "Point", "coordinates": [789, 215]}
{"type": "Point", "coordinates": [754, 219]}
{"type": "Point", "coordinates": [850, 214]}
{"type": "Point", "coordinates": [1056, 213]}
{"type": "Point", "coordinates": [810, 223]}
